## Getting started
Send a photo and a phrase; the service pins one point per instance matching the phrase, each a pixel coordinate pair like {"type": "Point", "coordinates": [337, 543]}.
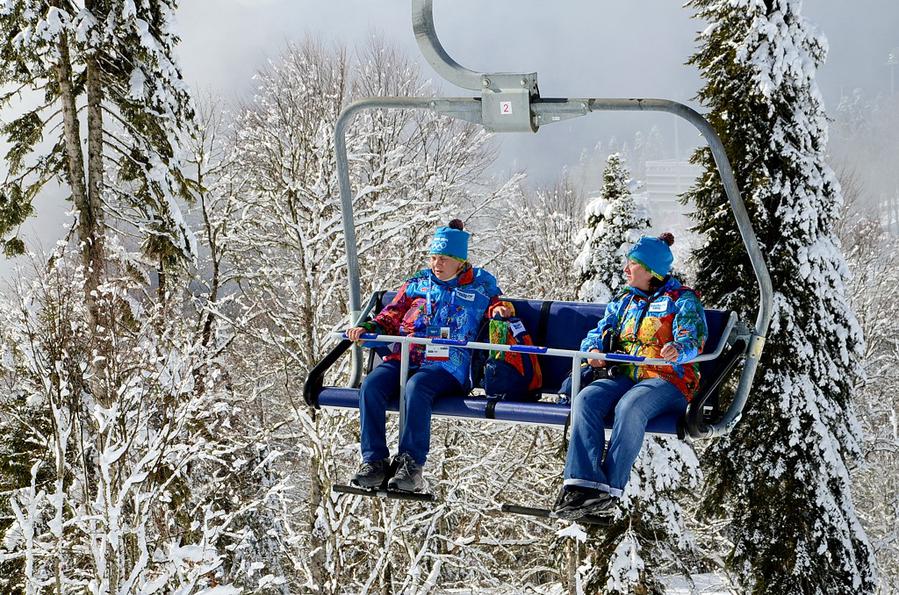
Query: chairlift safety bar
{"type": "Point", "coordinates": [621, 358]}
{"type": "Point", "coordinates": [576, 356]}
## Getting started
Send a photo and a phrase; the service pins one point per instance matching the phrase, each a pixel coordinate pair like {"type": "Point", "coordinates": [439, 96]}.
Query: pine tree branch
{"type": "Point", "coordinates": [5, 98]}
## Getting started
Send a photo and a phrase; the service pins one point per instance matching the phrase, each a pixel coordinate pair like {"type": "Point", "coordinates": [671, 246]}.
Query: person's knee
{"type": "Point", "coordinates": [599, 394]}
{"type": "Point", "coordinates": [579, 410]}
{"type": "Point", "coordinates": [414, 387]}
{"type": "Point", "coordinates": [422, 387]}
{"type": "Point", "coordinates": [629, 411]}
{"type": "Point", "coordinates": [584, 402]}
{"type": "Point", "coordinates": [375, 388]}
{"type": "Point", "coordinates": [591, 403]}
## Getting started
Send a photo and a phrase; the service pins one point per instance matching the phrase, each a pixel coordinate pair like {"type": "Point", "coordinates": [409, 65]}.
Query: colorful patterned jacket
{"type": "Point", "coordinates": [425, 302]}
{"type": "Point", "coordinates": [640, 324]}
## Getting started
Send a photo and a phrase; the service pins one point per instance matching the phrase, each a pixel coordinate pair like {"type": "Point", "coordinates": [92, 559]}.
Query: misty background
{"type": "Point", "coordinates": [578, 48]}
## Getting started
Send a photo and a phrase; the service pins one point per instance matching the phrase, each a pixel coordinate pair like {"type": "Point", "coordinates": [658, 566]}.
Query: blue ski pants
{"type": "Point", "coordinates": [382, 386]}
{"type": "Point", "coordinates": [635, 404]}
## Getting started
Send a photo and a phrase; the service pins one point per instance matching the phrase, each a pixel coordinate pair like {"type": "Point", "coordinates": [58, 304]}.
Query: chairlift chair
{"type": "Point", "coordinates": [511, 102]}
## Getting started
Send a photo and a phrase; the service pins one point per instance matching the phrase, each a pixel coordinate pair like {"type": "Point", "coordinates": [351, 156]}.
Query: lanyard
{"type": "Point", "coordinates": [428, 308]}
{"type": "Point", "coordinates": [620, 324]}
{"type": "Point", "coordinates": [649, 300]}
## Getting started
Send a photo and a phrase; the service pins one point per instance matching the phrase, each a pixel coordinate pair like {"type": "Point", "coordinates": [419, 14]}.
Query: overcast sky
{"type": "Point", "coordinates": [578, 48]}
{"type": "Point", "coordinates": [597, 48]}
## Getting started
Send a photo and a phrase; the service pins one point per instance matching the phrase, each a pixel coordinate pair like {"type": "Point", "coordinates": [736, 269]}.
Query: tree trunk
{"type": "Point", "coordinates": [316, 542]}
{"type": "Point", "coordinates": [574, 561]}
{"type": "Point", "coordinates": [88, 236]}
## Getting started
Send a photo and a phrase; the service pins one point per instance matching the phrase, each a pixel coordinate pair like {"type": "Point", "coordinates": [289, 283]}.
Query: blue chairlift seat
{"type": "Point", "coordinates": [567, 325]}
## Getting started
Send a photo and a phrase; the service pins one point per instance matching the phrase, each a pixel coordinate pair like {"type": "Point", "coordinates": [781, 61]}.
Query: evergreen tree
{"type": "Point", "coordinates": [112, 61]}
{"type": "Point", "coordinates": [613, 223]}
{"type": "Point", "coordinates": [782, 474]}
{"type": "Point", "coordinates": [648, 146]}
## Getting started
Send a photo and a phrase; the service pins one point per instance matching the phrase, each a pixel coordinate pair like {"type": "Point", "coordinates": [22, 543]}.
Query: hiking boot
{"type": "Point", "coordinates": [372, 474]}
{"type": "Point", "coordinates": [560, 499]}
{"type": "Point", "coordinates": [576, 502]}
{"type": "Point", "coordinates": [408, 477]}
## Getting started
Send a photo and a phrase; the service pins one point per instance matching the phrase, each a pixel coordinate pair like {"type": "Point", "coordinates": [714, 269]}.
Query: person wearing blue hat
{"type": "Point", "coordinates": [449, 299]}
{"type": "Point", "coordinates": [657, 317]}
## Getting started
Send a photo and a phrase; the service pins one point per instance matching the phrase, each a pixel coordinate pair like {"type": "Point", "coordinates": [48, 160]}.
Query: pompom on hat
{"type": "Point", "coordinates": [451, 241]}
{"type": "Point", "coordinates": [654, 254]}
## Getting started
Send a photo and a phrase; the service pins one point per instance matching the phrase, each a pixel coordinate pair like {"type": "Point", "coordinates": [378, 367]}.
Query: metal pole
{"type": "Point", "coordinates": [575, 378]}
{"type": "Point", "coordinates": [433, 51]}
{"type": "Point", "coordinates": [346, 204]}
{"type": "Point", "coordinates": [404, 375]}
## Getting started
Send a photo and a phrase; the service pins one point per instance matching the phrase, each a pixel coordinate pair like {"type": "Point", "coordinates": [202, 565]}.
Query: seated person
{"type": "Point", "coordinates": [654, 317]}
{"type": "Point", "coordinates": [449, 299]}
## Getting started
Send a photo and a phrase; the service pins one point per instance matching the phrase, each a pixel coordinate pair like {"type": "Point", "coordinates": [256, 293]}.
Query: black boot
{"type": "Point", "coordinates": [574, 502]}
{"type": "Point", "coordinates": [408, 476]}
{"type": "Point", "coordinates": [372, 474]}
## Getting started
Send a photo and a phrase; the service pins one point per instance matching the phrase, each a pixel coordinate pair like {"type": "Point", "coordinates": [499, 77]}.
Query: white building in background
{"type": "Point", "coordinates": [665, 181]}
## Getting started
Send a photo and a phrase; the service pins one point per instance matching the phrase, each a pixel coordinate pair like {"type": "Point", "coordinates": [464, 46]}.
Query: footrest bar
{"type": "Point", "coordinates": [386, 494]}
{"type": "Point", "coordinates": [590, 519]}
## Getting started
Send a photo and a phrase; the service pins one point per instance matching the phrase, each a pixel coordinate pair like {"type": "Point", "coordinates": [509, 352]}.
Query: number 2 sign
{"type": "Point", "coordinates": [505, 108]}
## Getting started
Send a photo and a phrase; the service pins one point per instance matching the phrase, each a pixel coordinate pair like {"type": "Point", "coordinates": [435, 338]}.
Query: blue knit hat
{"type": "Point", "coordinates": [450, 241]}
{"type": "Point", "coordinates": [654, 254]}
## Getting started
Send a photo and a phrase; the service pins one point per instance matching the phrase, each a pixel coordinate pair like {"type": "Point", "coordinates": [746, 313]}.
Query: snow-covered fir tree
{"type": "Point", "coordinates": [112, 63]}
{"type": "Point", "coordinates": [782, 474]}
{"type": "Point", "coordinates": [613, 223]}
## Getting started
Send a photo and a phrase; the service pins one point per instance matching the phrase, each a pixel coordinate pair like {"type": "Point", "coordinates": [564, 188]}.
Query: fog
{"type": "Point", "coordinates": [577, 47]}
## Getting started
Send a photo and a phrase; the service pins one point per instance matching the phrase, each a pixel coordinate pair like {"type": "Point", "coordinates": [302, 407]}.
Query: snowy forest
{"type": "Point", "coordinates": [153, 433]}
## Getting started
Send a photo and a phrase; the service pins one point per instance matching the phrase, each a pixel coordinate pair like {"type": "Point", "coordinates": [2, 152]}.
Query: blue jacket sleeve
{"type": "Point", "coordinates": [608, 324]}
{"type": "Point", "coordinates": [690, 328]}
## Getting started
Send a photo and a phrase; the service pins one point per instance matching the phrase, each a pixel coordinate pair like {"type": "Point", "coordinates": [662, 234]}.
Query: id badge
{"type": "Point", "coordinates": [516, 327]}
{"type": "Point", "coordinates": [437, 352]}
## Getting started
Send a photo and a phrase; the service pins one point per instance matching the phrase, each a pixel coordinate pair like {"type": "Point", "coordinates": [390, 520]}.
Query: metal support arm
{"type": "Point", "coordinates": [514, 105]}
{"type": "Point", "coordinates": [433, 51]}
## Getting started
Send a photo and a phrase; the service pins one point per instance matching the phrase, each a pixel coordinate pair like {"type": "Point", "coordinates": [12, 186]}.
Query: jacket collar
{"type": "Point", "coordinates": [463, 278]}
{"type": "Point", "coordinates": [670, 284]}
